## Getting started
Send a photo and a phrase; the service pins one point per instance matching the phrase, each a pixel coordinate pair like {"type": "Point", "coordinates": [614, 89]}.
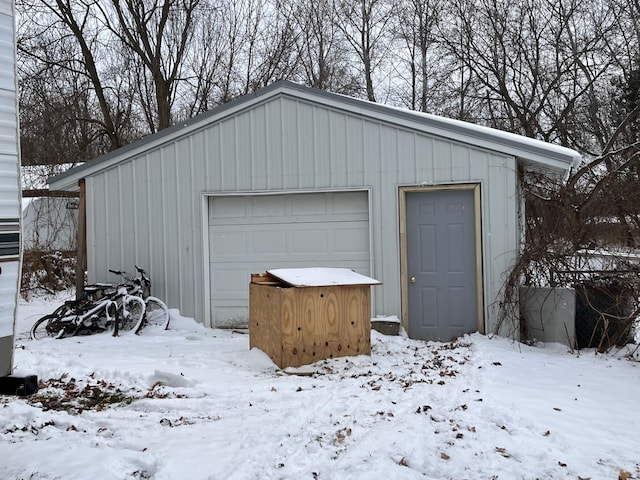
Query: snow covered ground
{"type": "Point", "coordinates": [194, 403]}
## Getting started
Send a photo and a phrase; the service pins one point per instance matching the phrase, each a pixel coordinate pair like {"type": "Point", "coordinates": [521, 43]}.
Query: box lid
{"type": "Point", "coordinates": [321, 277]}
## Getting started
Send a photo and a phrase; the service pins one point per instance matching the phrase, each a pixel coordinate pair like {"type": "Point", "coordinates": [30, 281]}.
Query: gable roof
{"type": "Point", "coordinates": [528, 149]}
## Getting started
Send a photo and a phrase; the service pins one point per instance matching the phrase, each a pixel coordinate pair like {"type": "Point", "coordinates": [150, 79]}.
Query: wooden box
{"type": "Point", "coordinates": [300, 316]}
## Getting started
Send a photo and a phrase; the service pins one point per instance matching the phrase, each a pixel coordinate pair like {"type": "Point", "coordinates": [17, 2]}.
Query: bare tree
{"type": "Point", "coordinates": [158, 34]}
{"type": "Point", "coordinates": [535, 61]}
{"type": "Point", "coordinates": [45, 39]}
{"type": "Point", "coordinates": [365, 25]}
{"type": "Point", "coordinates": [323, 55]}
{"type": "Point", "coordinates": [416, 24]}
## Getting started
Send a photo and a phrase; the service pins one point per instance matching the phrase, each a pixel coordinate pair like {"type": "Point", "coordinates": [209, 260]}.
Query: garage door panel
{"type": "Point", "coordinates": [271, 207]}
{"type": "Point", "coordinates": [351, 239]}
{"type": "Point", "coordinates": [226, 207]}
{"type": "Point", "coordinates": [228, 316]}
{"type": "Point", "coordinates": [352, 202]}
{"type": "Point", "coordinates": [229, 281]}
{"type": "Point", "coordinates": [310, 241]}
{"type": "Point", "coordinates": [252, 234]}
{"type": "Point", "coordinates": [310, 205]}
{"type": "Point", "coordinates": [269, 242]}
{"type": "Point", "coordinates": [227, 243]}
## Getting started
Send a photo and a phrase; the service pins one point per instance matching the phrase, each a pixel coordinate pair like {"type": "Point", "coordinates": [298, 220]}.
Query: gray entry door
{"type": "Point", "coordinates": [441, 264]}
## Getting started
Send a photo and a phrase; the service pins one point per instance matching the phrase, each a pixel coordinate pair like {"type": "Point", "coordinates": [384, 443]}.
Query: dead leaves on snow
{"type": "Point", "coordinates": [342, 434]}
{"type": "Point", "coordinates": [78, 395]}
{"type": "Point", "coordinates": [418, 364]}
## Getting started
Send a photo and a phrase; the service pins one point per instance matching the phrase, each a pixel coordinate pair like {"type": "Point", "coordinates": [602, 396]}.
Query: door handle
{"type": "Point", "coordinates": [412, 279]}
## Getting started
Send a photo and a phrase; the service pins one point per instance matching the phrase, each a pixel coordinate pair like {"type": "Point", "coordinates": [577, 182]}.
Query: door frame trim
{"type": "Point", "coordinates": [404, 279]}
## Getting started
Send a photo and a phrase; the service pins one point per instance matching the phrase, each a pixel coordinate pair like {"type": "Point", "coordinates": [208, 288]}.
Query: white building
{"type": "Point", "coordinates": [293, 177]}
{"type": "Point", "coordinates": [50, 223]}
{"type": "Point", "coordinates": [9, 186]}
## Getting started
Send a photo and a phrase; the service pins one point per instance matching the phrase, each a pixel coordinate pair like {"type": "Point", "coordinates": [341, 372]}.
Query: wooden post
{"type": "Point", "coordinates": [81, 241]}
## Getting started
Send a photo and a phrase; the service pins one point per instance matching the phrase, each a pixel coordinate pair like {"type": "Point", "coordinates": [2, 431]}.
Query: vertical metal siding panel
{"type": "Point", "coordinates": [228, 156]}
{"type": "Point", "coordinates": [142, 215]}
{"type": "Point", "coordinates": [388, 147]}
{"type": "Point", "coordinates": [425, 160]}
{"type": "Point", "coordinates": [406, 157]}
{"type": "Point", "coordinates": [460, 163]}
{"type": "Point", "coordinates": [200, 160]}
{"type": "Point", "coordinates": [273, 147]}
{"type": "Point", "coordinates": [371, 152]}
{"type": "Point", "coordinates": [385, 210]}
{"type": "Point", "coordinates": [171, 235]}
{"type": "Point", "coordinates": [441, 161]}
{"type": "Point", "coordinates": [259, 151]}
{"type": "Point", "coordinates": [98, 231]}
{"type": "Point", "coordinates": [321, 146]}
{"type": "Point", "coordinates": [501, 225]}
{"type": "Point", "coordinates": [290, 144]}
{"type": "Point", "coordinates": [192, 274]}
{"type": "Point", "coordinates": [338, 156]}
{"type": "Point", "coordinates": [156, 202]}
{"type": "Point", "coordinates": [478, 165]}
{"type": "Point", "coordinates": [90, 204]}
{"type": "Point", "coordinates": [355, 151]}
{"type": "Point", "coordinates": [112, 219]}
{"type": "Point", "coordinates": [305, 158]}
{"type": "Point", "coordinates": [184, 225]}
{"type": "Point", "coordinates": [126, 217]}
{"type": "Point", "coordinates": [211, 144]}
{"type": "Point", "coordinates": [244, 168]}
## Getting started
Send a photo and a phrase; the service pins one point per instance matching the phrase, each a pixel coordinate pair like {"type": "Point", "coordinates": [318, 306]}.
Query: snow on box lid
{"type": "Point", "coordinates": [321, 277]}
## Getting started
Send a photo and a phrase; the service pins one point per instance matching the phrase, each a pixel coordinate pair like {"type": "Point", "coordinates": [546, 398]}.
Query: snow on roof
{"type": "Point", "coordinates": [321, 277]}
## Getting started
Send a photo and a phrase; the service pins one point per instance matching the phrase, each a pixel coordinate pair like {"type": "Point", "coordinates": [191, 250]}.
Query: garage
{"type": "Point", "coordinates": [297, 177]}
{"type": "Point", "coordinates": [253, 233]}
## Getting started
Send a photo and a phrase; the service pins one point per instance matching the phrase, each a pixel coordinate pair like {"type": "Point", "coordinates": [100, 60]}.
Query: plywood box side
{"type": "Point", "coordinates": [325, 323]}
{"type": "Point", "coordinates": [265, 329]}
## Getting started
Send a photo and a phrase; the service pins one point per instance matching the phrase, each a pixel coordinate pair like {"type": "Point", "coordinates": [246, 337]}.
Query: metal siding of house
{"type": "Point", "coordinates": [10, 208]}
{"type": "Point", "coordinates": [288, 144]}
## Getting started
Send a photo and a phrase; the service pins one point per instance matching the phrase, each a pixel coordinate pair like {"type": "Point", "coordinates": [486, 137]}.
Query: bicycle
{"type": "Point", "coordinates": [116, 310]}
{"type": "Point", "coordinates": [156, 313]}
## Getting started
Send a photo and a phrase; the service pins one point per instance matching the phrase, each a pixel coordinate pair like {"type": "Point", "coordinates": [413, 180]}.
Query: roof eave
{"type": "Point", "coordinates": [529, 150]}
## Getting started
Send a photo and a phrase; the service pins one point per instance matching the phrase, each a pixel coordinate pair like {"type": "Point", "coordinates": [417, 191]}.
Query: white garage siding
{"type": "Point", "coordinates": [254, 233]}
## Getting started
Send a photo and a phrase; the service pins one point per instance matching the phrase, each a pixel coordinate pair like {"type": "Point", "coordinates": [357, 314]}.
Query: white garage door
{"type": "Point", "coordinates": [252, 234]}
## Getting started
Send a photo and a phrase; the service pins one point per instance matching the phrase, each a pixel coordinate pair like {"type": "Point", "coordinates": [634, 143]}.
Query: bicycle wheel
{"type": "Point", "coordinates": [156, 314]}
{"type": "Point", "coordinates": [131, 314]}
{"type": "Point", "coordinates": [47, 326]}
